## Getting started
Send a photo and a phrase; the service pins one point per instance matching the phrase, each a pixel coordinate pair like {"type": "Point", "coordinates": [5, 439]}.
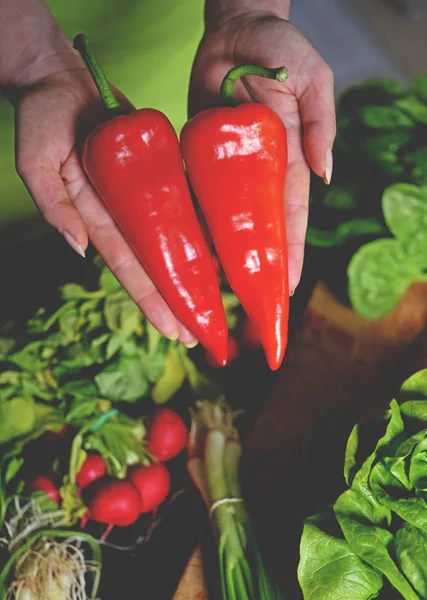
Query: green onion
{"type": "Point", "coordinates": [214, 457]}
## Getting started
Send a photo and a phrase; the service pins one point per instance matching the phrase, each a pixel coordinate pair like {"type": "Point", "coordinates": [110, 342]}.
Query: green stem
{"type": "Point", "coordinates": [227, 97]}
{"type": "Point", "coordinates": [94, 546]}
{"type": "Point", "coordinates": [81, 43]}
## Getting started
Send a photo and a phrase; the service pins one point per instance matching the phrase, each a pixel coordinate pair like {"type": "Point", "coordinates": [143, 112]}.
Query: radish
{"type": "Point", "coordinates": [43, 483]}
{"type": "Point", "coordinates": [167, 434]}
{"type": "Point", "coordinates": [93, 468]}
{"type": "Point", "coordinates": [114, 502]}
{"type": "Point", "coordinates": [233, 351]}
{"type": "Point", "coordinates": [152, 483]}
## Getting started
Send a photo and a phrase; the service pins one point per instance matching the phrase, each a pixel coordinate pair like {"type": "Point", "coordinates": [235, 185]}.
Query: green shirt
{"type": "Point", "coordinates": [146, 48]}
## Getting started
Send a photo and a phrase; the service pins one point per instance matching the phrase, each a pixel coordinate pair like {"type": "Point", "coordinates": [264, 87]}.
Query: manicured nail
{"type": "Point", "coordinates": [173, 336]}
{"type": "Point", "coordinates": [291, 293]}
{"type": "Point", "coordinates": [192, 344]}
{"type": "Point", "coordinates": [328, 166]}
{"type": "Point", "coordinates": [74, 245]}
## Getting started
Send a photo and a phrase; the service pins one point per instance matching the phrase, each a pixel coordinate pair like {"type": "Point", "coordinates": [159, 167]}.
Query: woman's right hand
{"type": "Point", "coordinates": [56, 104]}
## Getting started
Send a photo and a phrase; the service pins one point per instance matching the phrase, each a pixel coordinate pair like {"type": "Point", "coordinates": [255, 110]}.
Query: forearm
{"type": "Point", "coordinates": [32, 45]}
{"type": "Point", "coordinates": [219, 10]}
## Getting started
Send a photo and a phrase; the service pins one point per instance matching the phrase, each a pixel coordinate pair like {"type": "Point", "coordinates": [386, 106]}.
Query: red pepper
{"type": "Point", "coordinates": [135, 164]}
{"type": "Point", "coordinates": [236, 159]}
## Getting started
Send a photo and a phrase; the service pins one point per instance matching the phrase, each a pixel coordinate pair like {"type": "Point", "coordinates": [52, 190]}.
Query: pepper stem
{"type": "Point", "coordinates": [281, 74]}
{"type": "Point", "coordinates": [81, 44]}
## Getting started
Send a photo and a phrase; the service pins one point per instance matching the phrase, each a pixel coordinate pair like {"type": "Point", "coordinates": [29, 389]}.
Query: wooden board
{"type": "Point", "coordinates": [338, 360]}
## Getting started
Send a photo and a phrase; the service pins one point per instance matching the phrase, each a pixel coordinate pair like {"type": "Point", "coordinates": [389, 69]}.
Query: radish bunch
{"type": "Point", "coordinates": [120, 502]}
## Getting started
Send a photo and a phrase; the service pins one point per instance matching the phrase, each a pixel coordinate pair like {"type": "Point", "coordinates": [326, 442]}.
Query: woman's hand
{"type": "Point", "coordinates": [305, 102]}
{"type": "Point", "coordinates": [53, 113]}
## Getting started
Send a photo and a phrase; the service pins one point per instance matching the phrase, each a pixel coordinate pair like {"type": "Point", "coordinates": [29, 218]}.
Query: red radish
{"type": "Point", "coordinates": [233, 351]}
{"type": "Point", "coordinates": [167, 434]}
{"type": "Point", "coordinates": [250, 335]}
{"type": "Point", "coordinates": [114, 502]}
{"type": "Point", "coordinates": [93, 468]}
{"type": "Point", "coordinates": [153, 484]}
{"type": "Point", "coordinates": [43, 483]}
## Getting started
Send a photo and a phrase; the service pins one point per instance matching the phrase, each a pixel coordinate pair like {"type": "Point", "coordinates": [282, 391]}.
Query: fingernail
{"type": "Point", "coordinates": [74, 245]}
{"type": "Point", "coordinates": [291, 293]}
{"type": "Point", "coordinates": [192, 344]}
{"type": "Point", "coordinates": [328, 166]}
{"type": "Point", "coordinates": [173, 336]}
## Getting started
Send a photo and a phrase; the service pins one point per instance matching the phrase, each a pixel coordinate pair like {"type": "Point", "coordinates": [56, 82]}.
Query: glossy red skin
{"type": "Point", "coordinates": [153, 483]}
{"type": "Point", "coordinates": [167, 434]}
{"type": "Point", "coordinates": [135, 164]}
{"type": "Point", "coordinates": [236, 159]}
{"type": "Point", "coordinates": [43, 483]}
{"type": "Point", "coordinates": [233, 351]}
{"type": "Point", "coordinates": [114, 502]}
{"type": "Point", "coordinates": [93, 468]}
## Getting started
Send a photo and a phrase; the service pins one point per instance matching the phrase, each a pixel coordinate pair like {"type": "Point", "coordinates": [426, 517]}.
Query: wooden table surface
{"type": "Point", "coordinates": [337, 359]}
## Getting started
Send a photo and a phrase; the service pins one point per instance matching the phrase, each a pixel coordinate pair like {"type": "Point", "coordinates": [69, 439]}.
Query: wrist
{"type": "Point", "coordinates": [218, 12]}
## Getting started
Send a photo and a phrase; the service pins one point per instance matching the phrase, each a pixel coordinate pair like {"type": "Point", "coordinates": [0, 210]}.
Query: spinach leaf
{"type": "Point", "coordinates": [379, 274]}
{"type": "Point", "coordinates": [328, 569]}
{"type": "Point", "coordinates": [343, 233]}
{"type": "Point", "coordinates": [123, 381]}
{"type": "Point", "coordinates": [6, 345]}
{"type": "Point", "coordinates": [385, 117]}
{"type": "Point", "coordinates": [419, 87]}
{"type": "Point", "coordinates": [413, 107]}
{"type": "Point", "coordinates": [121, 313]}
{"type": "Point", "coordinates": [339, 197]}
{"type": "Point", "coordinates": [405, 209]}
{"type": "Point", "coordinates": [411, 552]}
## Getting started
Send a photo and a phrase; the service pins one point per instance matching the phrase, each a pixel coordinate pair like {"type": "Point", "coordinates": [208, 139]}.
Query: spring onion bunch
{"type": "Point", "coordinates": [214, 456]}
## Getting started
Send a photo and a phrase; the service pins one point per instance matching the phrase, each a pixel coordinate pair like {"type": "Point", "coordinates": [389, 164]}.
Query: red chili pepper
{"type": "Point", "coordinates": [236, 159]}
{"type": "Point", "coordinates": [135, 164]}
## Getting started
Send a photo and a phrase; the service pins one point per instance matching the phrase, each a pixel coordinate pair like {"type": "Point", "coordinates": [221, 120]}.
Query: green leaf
{"type": "Point", "coordinates": [413, 107]}
{"type": "Point", "coordinates": [201, 385]}
{"type": "Point", "coordinates": [108, 282]}
{"type": "Point", "coordinates": [379, 274]}
{"type": "Point", "coordinates": [22, 418]}
{"type": "Point", "coordinates": [13, 468]}
{"type": "Point", "coordinates": [124, 381]}
{"type": "Point", "coordinates": [380, 145]}
{"type": "Point", "coordinates": [338, 197]}
{"type": "Point", "coordinates": [416, 384]}
{"type": "Point", "coordinates": [62, 311]}
{"type": "Point", "coordinates": [121, 313]}
{"type": "Point", "coordinates": [28, 358]}
{"type": "Point", "coordinates": [385, 117]}
{"type": "Point", "coordinates": [329, 570]}
{"type": "Point", "coordinates": [115, 343]}
{"type": "Point", "coordinates": [152, 365]}
{"type": "Point", "coordinates": [346, 231]}
{"type": "Point", "coordinates": [411, 552]}
{"type": "Point", "coordinates": [120, 442]}
{"type": "Point", "coordinates": [419, 87]}
{"type": "Point", "coordinates": [6, 345]}
{"type": "Point", "coordinates": [171, 379]}
{"type": "Point", "coordinates": [73, 291]}
{"type": "Point", "coordinates": [405, 209]}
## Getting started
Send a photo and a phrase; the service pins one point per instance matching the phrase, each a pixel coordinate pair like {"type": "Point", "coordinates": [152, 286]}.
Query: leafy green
{"type": "Point", "coordinates": [22, 418]}
{"type": "Point", "coordinates": [171, 379]}
{"type": "Point", "coordinates": [377, 528]}
{"type": "Point", "coordinates": [385, 117]}
{"type": "Point", "coordinates": [381, 271]}
{"type": "Point", "coordinates": [344, 232]}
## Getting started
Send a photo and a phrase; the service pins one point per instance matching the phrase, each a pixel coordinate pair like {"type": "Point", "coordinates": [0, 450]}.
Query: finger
{"type": "Point", "coordinates": [297, 187]}
{"type": "Point", "coordinates": [110, 243]}
{"type": "Point", "coordinates": [317, 106]}
{"type": "Point", "coordinates": [47, 189]}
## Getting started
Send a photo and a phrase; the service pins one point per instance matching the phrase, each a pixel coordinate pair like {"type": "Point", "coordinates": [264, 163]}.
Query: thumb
{"type": "Point", "coordinates": [50, 196]}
